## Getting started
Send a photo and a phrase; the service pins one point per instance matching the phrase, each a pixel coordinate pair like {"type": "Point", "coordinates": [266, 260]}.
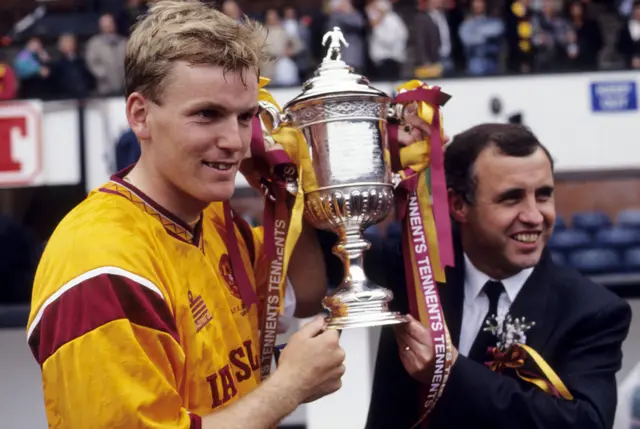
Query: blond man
{"type": "Point", "coordinates": [142, 314]}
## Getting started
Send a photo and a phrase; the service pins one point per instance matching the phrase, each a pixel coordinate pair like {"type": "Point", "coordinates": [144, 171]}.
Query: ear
{"type": "Point", "coordinates": [138, 115]}
{"type": "Point", "coordinates": [458, 207]}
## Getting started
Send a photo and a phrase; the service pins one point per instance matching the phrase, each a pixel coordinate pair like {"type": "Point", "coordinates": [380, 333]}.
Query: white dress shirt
{"type": "Point", "coordinates": [476, 302]}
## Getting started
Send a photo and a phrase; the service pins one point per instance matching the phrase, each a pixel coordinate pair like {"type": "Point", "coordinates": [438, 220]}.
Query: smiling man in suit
{"type": "Point", "coordinates": [501, 197]}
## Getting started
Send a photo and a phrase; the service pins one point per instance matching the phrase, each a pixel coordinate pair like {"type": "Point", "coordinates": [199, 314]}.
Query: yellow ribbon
{"type": "Point", "coordinates": [416, 156]}
{"type": "Point", "coordinates": [293, 142]}
{"type": "Point", "coordinates": [514, 358]}
{"type": "Point", "coordinates": [548, 372]}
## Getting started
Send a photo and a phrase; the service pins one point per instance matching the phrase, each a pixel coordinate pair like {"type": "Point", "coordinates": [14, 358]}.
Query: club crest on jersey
{"type": "Point", "coordinates": [227, 274]}
{"type": "Point", "coordinates": [199, 311]}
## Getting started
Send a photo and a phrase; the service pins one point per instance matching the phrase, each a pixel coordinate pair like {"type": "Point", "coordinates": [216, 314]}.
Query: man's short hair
{"type": "Point", "coordinates": [189, 31]}
{"type": "Point", "coordinates": [463, 151]}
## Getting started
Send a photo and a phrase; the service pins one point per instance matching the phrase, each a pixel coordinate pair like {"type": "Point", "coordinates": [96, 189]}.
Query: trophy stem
{"type": "Point", "coordinates": [357, 302]}
{"type": "Point", "coordinates": [351, 250]}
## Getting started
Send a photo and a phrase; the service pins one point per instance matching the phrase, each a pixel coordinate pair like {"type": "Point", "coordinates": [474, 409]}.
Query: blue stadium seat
{"type": "Point", "coordinates": [629, 218]}
{"type": "Point", "coordinates": [631, 259]}
{"type": "Point", "coordinates": [591, 221]}
{"type": "Point", "coordinates": [618, 237]}
{"type": "Point", "coordinates": [560, 224]}
{"type": "Point", "coordinates": [558, 257]}
{"type": "Point", "coordinates": [596, 261]}
{"type": "Point", "coordinates": [569, 239]}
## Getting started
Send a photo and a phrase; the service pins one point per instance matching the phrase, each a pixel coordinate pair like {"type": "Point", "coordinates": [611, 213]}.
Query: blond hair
{"type": "Point", "coordinates": [189, 31]}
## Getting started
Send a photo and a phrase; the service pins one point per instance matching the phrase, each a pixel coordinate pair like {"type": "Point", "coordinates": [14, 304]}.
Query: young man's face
{"type": "Point", "coordinates": [513, 214]}
{"type": "Point", "coordinates": [201, 130]}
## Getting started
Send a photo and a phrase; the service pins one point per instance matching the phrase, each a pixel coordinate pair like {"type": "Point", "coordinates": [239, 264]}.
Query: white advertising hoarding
{"type": "Point", "coordinates": [589, 121]}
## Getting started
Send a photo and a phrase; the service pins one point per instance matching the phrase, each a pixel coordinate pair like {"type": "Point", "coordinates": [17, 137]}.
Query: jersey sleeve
{"type": "Point", "coordinates": [110, 354]}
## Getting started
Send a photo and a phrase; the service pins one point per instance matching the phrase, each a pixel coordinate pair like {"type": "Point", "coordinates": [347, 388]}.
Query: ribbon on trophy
{"type": "Point", "coordinates": [279, 179]}
{"type": "Point", "coordinates": [514, 358]}
{"type": "Point", "coordinates": [417, 158]}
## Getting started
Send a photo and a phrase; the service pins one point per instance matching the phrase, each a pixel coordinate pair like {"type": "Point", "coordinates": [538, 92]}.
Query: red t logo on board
{"type": "Point", "coordinates": [7, 163]}
{"type": "Point", "coordinates": [20, 143]}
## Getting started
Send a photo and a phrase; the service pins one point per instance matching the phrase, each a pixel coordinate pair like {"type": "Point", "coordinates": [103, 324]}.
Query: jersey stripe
{"type": "Point", "coordinates": [95, 299]}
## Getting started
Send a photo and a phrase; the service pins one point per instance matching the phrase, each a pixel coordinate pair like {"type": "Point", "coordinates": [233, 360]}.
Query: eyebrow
{"type": "Point", "coordinates": [515, 193]}
{"type": "Point", "coordinates": [209, 105]}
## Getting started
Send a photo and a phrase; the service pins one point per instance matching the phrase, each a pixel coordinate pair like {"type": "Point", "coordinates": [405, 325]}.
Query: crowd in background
{"type": "Point", "coordinates": [424, 39]}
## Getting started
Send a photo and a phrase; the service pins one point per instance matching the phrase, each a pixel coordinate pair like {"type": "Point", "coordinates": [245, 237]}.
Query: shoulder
{"type": "Point", "coordinates": [104, 220]}
{"type": "Point", "coordinates": [105, 239]}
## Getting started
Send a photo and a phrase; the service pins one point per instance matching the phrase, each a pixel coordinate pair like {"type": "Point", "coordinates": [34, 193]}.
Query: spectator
{"type": "Point", "coordinates": [128, 16]}
{"type": "Point", "coordinates": [550, 37]}
{"type": "Point", "coordinates": [70, 75]}
{"type": "Point", "coordinates": [629, 38]}
{"type": "Point", "coordinates": [281, 48]}
{"type": "Point", "coordinates": [388, 40]}
{"type": "Point", "coordinates": [518, 33]}
{"type": "Point", "coordinates": [32, 68]}
{"type": "Point", "coordinates": [432, 38]}
{"type": "Point", "coordinates": [105, 57]}
{"type": "Point", "coordinates": [481, 36]}
{"type": "Point", "coordinates": [232, 10]}
{"type": "Point", "coordinates": [342, 14]}
{"type": "Point", "coordinates": [439, 17]}
{"type": "Point", "coordinates": [127, 150]}
{"type": "Point", "coordinates": [585, 38]}
{"type": "Point", "coordinates": [299, 28]}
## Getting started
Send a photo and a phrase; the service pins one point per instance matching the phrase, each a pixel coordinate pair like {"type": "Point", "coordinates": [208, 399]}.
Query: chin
{"type": "Point", "coordinates": [526, 261]}
{"type": "Point", "coordinates": [217, 192]}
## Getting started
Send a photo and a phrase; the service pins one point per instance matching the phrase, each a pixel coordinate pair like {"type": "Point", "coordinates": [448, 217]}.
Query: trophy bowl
{"type": "Point", "coordinates": [344, 122]}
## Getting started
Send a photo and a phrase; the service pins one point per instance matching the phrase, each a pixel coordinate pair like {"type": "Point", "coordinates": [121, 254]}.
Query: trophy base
{"type": "Point", "coordinates": [360, 309]}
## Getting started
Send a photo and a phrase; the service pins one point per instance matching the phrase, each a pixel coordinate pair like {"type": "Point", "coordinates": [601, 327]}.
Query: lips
{"type": "Point", "coordinates": [222, 166]}
{"type": "Point", "coordinates": [526, 237]}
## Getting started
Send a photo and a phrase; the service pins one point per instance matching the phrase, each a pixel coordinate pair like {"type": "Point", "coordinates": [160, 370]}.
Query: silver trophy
{"type": "Point", "coordinates": [344, 121]}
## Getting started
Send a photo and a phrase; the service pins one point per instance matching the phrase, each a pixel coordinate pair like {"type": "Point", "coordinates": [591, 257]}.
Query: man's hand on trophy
{"type": "Point", "coordinates": [312, 363]}
{"type": "Point", "coordinates": [416, 349]}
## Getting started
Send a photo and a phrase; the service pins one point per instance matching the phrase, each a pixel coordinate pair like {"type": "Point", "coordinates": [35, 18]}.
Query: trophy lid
{"type": "Point", "coordinates": [334, 76]}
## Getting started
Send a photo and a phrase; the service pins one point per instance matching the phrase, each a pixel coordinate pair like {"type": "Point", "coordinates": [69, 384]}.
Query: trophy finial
{"type": "Point", "coordinates": [336, 39]}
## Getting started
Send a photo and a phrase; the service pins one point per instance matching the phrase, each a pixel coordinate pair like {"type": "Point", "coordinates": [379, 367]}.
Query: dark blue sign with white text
{"type": "Point", "coordinates": [614, 96]}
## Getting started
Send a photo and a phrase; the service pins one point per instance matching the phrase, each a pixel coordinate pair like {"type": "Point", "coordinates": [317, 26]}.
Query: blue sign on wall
{"type": "Point", "coordinates": [614, 96]}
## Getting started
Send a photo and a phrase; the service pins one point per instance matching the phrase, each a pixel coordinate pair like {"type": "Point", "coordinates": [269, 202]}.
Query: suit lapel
{"type": "Point", "coordinates": [452, 294]}
{"type": "Point", "coordinates": [536, 301]}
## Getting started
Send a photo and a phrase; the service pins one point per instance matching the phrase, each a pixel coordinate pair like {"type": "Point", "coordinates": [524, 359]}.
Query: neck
{"type": "Point", "coordinates": [164, 193]}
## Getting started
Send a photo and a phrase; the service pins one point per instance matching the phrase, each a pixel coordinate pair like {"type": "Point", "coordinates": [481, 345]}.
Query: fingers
{"type": "Point", "coordinates": [414, 340]}
{"type": "Point", "coordinates": [313, 328]}
{"type": "Point", "coordinates": [418, 332]}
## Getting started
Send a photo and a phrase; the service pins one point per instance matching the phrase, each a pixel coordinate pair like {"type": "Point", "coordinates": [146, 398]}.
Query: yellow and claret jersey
{"type": "Point", "coordinates": [137, 319]}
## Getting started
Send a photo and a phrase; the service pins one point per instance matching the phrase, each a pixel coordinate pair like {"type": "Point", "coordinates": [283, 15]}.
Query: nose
{"type": "Point", "coordinates": [531, 214]}
{"type": "Point", "coordinates": [231, 139]}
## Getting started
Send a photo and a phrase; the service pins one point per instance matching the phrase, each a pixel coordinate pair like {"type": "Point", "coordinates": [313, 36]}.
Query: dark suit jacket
{"type": "Point", "coordinates": [579, 330]}
{"type": "Point", "coordinates": [427, 39]}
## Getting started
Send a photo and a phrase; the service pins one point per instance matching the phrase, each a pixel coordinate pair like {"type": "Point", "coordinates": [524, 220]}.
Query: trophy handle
{"type": "Point", "coordinates": [271, 115]}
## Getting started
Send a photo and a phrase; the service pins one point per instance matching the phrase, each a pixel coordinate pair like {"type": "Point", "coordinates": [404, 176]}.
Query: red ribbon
{"type": "Point", "coordinates": [276, 169]}
{"type": "Point", "coordinates": [438, 180]}
{"type": "Point", "coordinates": [411, 217]}
{"type": "Point", "coordinates": [247, 293]}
